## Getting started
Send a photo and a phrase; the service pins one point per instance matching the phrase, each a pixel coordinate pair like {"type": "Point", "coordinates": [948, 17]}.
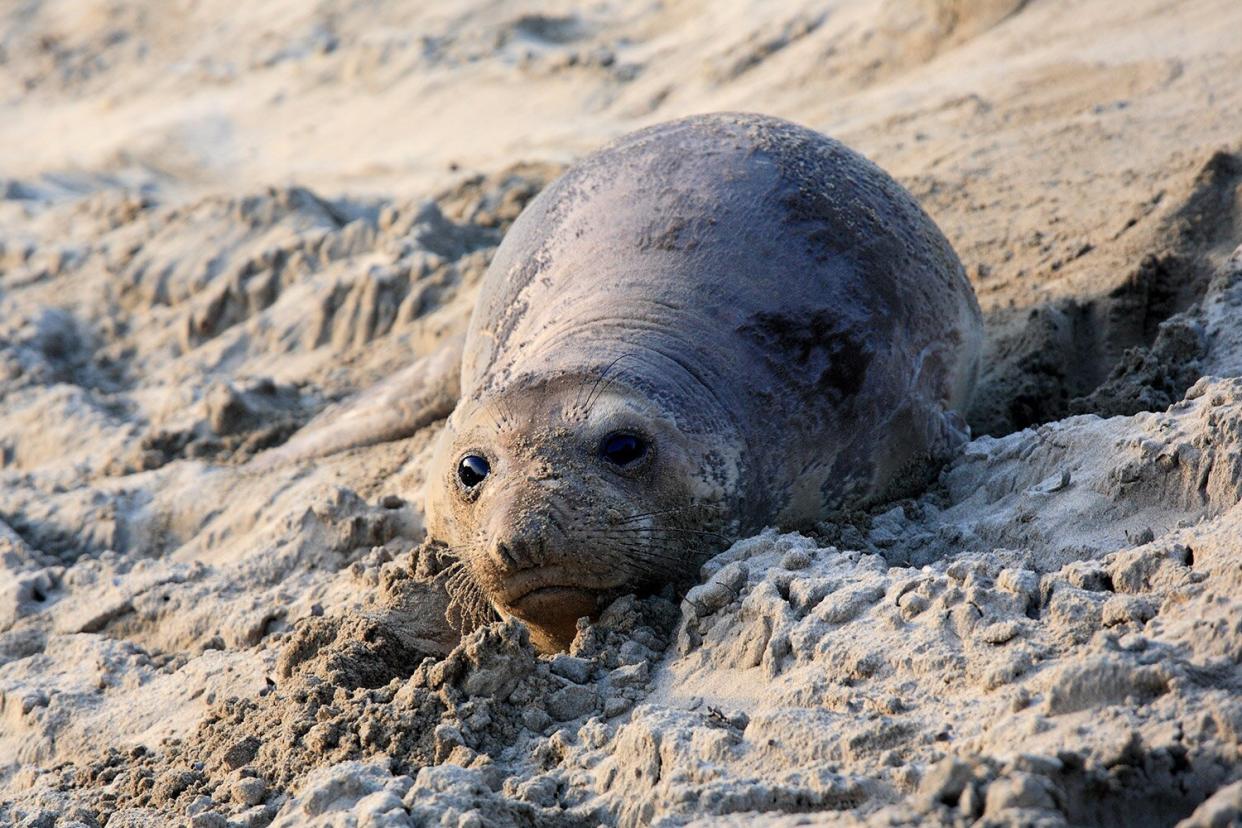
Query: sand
{"type": "Point", "coordinates": [218, 221]}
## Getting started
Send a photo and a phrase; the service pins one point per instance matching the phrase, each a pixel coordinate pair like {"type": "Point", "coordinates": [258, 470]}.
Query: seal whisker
{"type": "Point", "coordinates": [663, 552]}
{"type": "Point", "coordinates": [637, 529]}
{"type": "Point", "coordinates": [675, 557]}
{"type": "Point", "coordinates": [591, 400]}
{"type": "Point", "coordinates": [641, 567]}
{"type": "Point", "coordinates": [634, 538]}
{"type": "Point", "coordinates": [468, 606]}
{"type": "Point", "coordinates": [506, 421]}
{"type": "Point", "coordinates": [583, 407]}
{"type": "Point", "coordinates": [555, 520]}
{"type": "Point", "coordinates": [642, 515]}
{"type": "Point", "coordinates": [578, 402]}
{"type": "Point", "coordinates": [510, 418]}
{"type": "Point", "coordinates": [496, 421]}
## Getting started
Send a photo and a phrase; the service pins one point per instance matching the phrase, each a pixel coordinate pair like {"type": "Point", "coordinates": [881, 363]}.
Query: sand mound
{"type": "Point", "coordinates": [225, 221]}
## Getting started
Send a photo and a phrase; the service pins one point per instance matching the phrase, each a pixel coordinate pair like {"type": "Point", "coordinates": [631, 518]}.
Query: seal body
{"type": "Point", "coordinates": [710, 326]}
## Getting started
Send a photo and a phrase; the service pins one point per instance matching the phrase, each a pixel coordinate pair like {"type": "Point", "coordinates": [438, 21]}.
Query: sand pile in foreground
{"type": "Point", "coordinates": [221, 226]}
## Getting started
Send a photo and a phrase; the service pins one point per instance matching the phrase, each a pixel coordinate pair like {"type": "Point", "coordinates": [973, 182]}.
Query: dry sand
{"type": "Point", "coordinates": [219, 219]}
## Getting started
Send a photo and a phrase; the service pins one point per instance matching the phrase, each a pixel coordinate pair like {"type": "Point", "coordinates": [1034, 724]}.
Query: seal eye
{"type": "Point", "coordinates": [472, 469]}
{"type": "Point", "coordinates": [622, 449]}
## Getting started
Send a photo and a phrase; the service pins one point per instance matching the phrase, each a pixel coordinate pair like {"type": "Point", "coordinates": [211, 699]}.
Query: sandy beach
{"type": "Point", "coordinates": [219, 221]}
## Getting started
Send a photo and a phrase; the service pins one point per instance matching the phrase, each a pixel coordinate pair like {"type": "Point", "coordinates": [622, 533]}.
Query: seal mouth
{"type": "Point", "coordinates": [532, 590]}
{"type": "Point", "coordinates": [557, 607]}
{"type": "Point", "coordinates": [558, 601]}
{"type": "Point", "coordinates": [519, 585]}
{"type": "Point", "coordinates": [550, 599]}
{"type": "Point", "coordinates": [551, 612]}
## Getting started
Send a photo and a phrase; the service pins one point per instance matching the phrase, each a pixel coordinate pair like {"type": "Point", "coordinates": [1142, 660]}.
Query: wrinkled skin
{"type": "Point", "coordinates": [774, 316]}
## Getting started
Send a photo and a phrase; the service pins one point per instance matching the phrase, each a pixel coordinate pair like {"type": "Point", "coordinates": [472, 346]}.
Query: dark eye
{"type": "Point", "coordinates": [622, 449]}
{"type": "Point", "coordinates": [472, 469]}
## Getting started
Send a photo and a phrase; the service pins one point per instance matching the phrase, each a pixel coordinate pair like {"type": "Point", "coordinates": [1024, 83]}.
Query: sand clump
{"type": "Point", "coordinates": [224, 222]}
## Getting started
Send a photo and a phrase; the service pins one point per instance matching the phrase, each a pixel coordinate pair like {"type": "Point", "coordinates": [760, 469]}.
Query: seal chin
{"type": "Point", "coordinates": [550, 603]}
{"type": "Point", "coordinates": [551, 614]}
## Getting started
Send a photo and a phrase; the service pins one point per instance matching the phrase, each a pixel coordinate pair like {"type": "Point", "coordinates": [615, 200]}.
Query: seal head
{"type": "Point", "coordinates": [711, 326]}
{"type": "Point", "coordinates": [564, 493]}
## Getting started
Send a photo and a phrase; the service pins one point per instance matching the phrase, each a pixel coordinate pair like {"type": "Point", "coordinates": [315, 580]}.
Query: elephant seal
{"type": "Point", "coordinates": [710, 326]}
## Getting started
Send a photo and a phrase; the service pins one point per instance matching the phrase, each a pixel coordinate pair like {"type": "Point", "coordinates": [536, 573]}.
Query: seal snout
{"type": "Point", "coordinates": [520, 543]}
{"type": "Point", "coordinates": [516, 554]}
{"type": "Point", "coordinates": [524, 569]}
{"type": "Point", "coordinates": [538, 578]}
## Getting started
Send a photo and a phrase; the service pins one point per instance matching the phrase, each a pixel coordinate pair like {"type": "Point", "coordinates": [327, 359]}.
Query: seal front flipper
{"type": "Point", "coordinates": [416, 396]}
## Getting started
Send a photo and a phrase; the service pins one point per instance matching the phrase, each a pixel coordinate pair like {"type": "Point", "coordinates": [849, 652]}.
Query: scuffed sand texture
{"type": "Point", "coordinates": [219, 221]}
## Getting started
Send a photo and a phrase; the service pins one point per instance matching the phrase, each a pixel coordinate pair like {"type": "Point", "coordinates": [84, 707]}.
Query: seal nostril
{"type": "Point", "coordinates": [518, 553]}
{"type": "Point", "coordinates": [522, 549]}
{"type": "Point", "coordinates": [505, 554]}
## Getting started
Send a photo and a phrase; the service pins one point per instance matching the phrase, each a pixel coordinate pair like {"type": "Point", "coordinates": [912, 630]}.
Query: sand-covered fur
{"type": "Point", "coordinates": [221, 220]}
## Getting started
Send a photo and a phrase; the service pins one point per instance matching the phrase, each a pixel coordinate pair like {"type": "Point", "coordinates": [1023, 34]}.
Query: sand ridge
{"type": "Point", "coordinates": [220, 222]}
